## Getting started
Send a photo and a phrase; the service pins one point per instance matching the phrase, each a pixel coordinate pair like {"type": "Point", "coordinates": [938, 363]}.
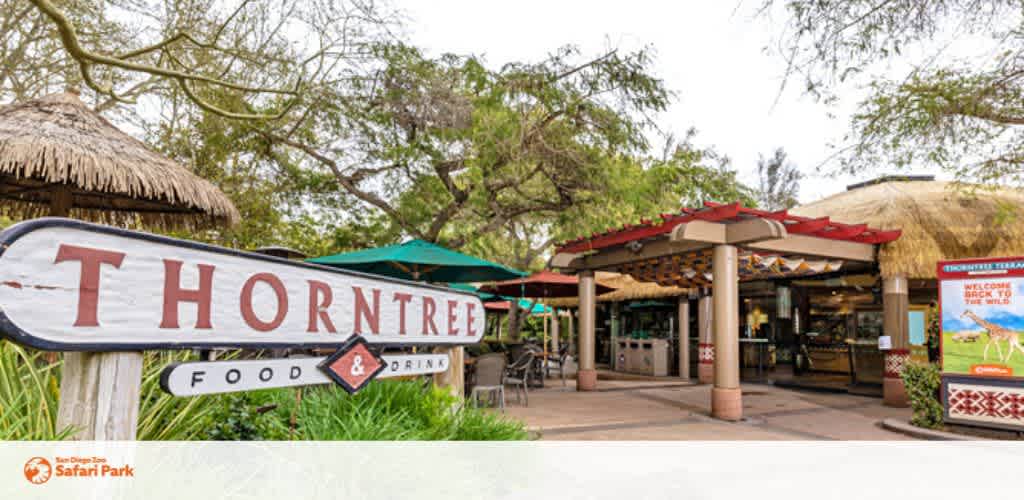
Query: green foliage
{"type": "Point", "coordinates": [244, 417]}
{"type": "Point", "coordinates": [779, 182]}
{"type": "Point", "coordinates": [922, 382]}
{"type": "Point", "coordinates": [962, 114]}
{"type": "Point", "coordinates": [29, 390]}
{"type": "Point", "coordinates": [394, 410]}
{"type": "Point", "coordinates": [386, 410]}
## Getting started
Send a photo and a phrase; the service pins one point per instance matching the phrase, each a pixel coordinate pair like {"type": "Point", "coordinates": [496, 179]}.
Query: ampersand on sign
{"type": "Point", "coordinates": [357, 366]}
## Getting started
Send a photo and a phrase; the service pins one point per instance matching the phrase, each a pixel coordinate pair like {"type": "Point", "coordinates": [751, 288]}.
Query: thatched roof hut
{"type": "Point", "coordinates": [58, 157]}
{"type": "Point", "coordinates": [939, 221]}
{"type": "Point", "coordinates": [626, 288]}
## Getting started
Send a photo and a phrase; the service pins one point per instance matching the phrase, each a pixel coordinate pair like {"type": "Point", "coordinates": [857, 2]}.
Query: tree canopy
{"type": "Point", "coordinates": [330, 132]}
{"type": "Point", "coordinates": [962, 114]}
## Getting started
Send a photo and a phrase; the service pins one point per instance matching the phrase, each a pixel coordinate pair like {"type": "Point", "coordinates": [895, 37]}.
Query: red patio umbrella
{"type": "Point", "coordinates": [542, 285]}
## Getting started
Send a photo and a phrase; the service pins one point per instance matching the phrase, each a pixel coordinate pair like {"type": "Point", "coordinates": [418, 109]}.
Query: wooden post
{"type": "Point", "coordinates": [555, 327]}
{"type": "Point", "coordinates": [726, 396]}
{"type": "Point", "coordinates": [454, 377]}
{"type": "Point", "coordinates": [99, 395]}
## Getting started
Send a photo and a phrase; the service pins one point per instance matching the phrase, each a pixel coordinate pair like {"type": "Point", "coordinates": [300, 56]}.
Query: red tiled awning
{"type": "Point", "coordinates": [732, 212]}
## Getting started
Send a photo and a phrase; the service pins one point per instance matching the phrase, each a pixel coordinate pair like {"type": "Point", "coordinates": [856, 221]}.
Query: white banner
{"type": "Point", "coordinates": [527, 470]}
{"type": "Point", "coordinates": [68, 285]}
{"type": "Point", "coordinates": [212, 377]}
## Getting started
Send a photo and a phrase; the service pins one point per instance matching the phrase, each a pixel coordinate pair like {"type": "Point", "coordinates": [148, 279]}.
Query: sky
{"type": "Point", "coordinates": [710, 53]}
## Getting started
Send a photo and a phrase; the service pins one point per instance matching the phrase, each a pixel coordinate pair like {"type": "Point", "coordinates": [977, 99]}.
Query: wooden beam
{"type": "Point", "coordinates": [798, 244]}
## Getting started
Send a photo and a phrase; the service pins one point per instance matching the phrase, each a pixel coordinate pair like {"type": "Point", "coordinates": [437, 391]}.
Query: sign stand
{"type": "Point", "coordinates": [454, 378]}
{"type": "Point", "coordinates": [99, 395]}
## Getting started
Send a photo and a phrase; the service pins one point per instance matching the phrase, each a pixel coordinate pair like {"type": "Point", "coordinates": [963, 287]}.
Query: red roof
{"type": "Point", "coordinates": [731, 212]}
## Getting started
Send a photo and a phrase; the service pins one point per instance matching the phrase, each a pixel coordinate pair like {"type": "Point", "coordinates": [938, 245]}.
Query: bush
{"type": "Point", "coordinates": [385, 410]}
{"type": "Point", "coordinates": [922, 382]}
{"type": "Point", "coordinates": [29, 390]}
{"type": "Point", "coordinates": [393, 410]}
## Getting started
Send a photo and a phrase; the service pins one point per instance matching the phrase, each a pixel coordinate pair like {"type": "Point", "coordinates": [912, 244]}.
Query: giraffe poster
{"type": "Point", "coordinates": [982, 314]}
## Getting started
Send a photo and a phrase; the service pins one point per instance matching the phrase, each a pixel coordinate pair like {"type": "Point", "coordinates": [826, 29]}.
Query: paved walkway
{"type": "Point", "coordinates": [646, 410]}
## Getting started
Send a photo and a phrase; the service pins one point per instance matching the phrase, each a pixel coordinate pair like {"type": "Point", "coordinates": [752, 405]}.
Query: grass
{"type": "Point", "coordinates": [393, 410]}
{"type": "Point", "coordinates": [384, 410]}
{"type": "Point", "coordinates": [957, 357]}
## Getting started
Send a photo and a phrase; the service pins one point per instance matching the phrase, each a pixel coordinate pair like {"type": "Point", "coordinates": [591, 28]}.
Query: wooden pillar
{"type": "Point", "coordinates": [705, 341]}
{"type": "Point", "coordinates": [726, 395]}
{"type": "Point", "coordinates": [895, 302]}
{"type": "Point", "coordinates": [454, 378]}
{"type": "Point", "coordinates": [99, 395]}
{"type": "Point", "coordinates": [683, 320]}
{"type": "Point", "coordinates": [586, 375]}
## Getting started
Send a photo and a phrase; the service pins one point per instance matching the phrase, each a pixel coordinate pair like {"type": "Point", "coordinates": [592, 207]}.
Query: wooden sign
{"type": "Point", "coordinates": [73, 286]}
{"type": "Point", "coordinates": [211, 377]}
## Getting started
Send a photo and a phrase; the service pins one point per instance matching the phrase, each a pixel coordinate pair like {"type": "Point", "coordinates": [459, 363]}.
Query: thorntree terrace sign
{"type": "Point", "coordinates": [73, 286]}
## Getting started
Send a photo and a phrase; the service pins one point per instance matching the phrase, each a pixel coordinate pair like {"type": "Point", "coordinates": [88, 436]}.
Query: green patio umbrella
{"type": "Point", "coordinates": [419, 260]}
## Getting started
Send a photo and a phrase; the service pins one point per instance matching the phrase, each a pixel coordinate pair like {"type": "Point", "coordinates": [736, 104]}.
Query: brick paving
{"type": "Point", "coordinates": [669, 410]}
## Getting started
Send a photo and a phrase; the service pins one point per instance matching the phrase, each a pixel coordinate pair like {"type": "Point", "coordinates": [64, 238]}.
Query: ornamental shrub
{"type": "Point", "coordinates": [922, 382]}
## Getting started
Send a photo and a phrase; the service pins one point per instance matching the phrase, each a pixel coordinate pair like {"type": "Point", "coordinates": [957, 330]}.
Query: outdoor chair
{"type": "Point", "coordinates": [558, 360]}
{"type": "Point", "coordinates": [490, 378]}
{"type": "Point", "coordinates": [518, 374]}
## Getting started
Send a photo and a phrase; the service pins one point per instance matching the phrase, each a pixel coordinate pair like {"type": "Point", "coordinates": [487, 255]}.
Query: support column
{"type": "Point", "coordinates": [555, 327]}
{"type": "Point", "coordinates": [586, 375]}
{"type": "Point", "coordinates": [705, 341]}
{"type": "Point", "coordinates": [454, 378]}
{"type": "Point", "coordinates": [683, 320]}
{"type": "Point", "coordinates": [726, 396]}
{"type": "Point", "coordinates": [616, 327]}
{"type": "Point", "coordinates": [895, 302]}
{"type": "Point", "coordinates": [572, 330]}
{"type": "Point", "coordinates": [99, 394]}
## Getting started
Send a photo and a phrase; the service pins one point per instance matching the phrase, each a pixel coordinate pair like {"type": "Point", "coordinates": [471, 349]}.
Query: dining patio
{"type": "Point", "coordinates": [675, 410]}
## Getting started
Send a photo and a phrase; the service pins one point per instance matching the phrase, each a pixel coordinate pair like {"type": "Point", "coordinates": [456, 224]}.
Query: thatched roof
{"type": "Point", "coordinates": [626, 288]}
{"type": "Point", "coordinates": [938, 221]}
{"type": "Point", "coordinates": [56, 144]}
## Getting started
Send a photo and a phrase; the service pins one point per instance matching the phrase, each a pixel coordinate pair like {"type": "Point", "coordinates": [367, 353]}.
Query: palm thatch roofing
{"type": "Point", "coordinates": [940, 220]}
{"type": "Point", "coordinates": [626, 288]}
{"type": "Point", "coordinates": [56, 147]}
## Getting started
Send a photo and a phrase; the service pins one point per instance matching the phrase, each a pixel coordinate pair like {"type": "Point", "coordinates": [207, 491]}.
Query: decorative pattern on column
{"type": "Point", "coordinates": [987, 404]}
{"type": "Point", "coordinates": [705, 339]}
{"type": "Point", "coordinates": [706, 354]}
{"type": "Point", "coordinates": [894, 361]}
{"type": "Point", "coordinates": [895, 303]}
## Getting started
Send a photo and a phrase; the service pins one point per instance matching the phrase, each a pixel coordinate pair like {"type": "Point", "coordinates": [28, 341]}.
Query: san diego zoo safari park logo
{"type": "Point", "coordinates": [39, 470]}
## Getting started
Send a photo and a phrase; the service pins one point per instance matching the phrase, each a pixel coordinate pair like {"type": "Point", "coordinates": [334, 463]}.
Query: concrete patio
{"type": "Point", "coordinates": [671, 410]}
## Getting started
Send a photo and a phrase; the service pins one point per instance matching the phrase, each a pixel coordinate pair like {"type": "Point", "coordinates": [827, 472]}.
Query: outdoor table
{"type": "Point", "coordinates": [762, 346]}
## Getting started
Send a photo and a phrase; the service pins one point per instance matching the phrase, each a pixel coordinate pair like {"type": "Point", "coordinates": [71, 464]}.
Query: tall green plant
{"type": "Point", "coordinates": [29, 388]}
{"type": "Point", "coordinates": [922, 381]}
{"type": "Point", "coordinates": [394, 410]}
